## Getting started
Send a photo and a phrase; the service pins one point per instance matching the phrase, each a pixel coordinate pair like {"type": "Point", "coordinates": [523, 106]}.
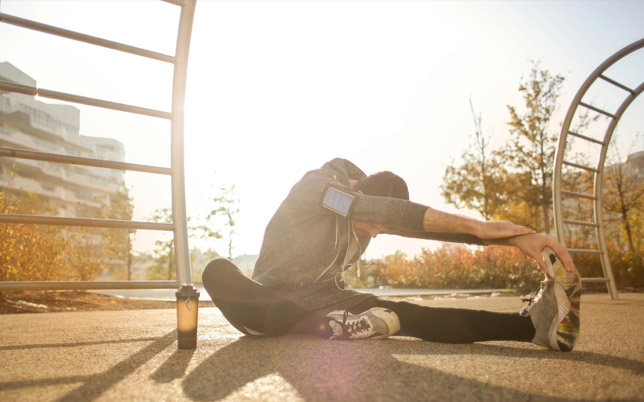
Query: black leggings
{"type": "Point", "coordinates": [254, 309]}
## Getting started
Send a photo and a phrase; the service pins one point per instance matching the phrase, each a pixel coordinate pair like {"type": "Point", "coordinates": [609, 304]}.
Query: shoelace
{"type": "Point", "coordinates": [534, 296]}
{"type": "Point", "coordinates": [354, 326]}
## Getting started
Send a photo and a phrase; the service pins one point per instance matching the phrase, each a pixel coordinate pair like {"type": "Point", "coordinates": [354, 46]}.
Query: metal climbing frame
{"type": "Point", "coordinates": [176, 171]}
{"type": "Point", "coordinates": [598, 168]}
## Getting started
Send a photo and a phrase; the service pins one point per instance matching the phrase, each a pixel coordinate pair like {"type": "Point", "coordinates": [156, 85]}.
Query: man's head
{"type": "Point", "coordinates": [383, 184]}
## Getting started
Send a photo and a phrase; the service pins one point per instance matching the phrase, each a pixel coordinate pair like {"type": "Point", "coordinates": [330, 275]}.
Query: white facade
{"type": "Point", "coordinates": [634, 165]}
{"type": "Point", "coordinates": [29, 124]}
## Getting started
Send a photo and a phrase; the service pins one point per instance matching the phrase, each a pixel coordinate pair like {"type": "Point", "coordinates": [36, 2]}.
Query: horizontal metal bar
{"type": "Point", "coordinates": [579, 166]}
{"type": "Point", "coordinates": [584, 251]}
{"type": "Point", "coordinates": [582, 195]}
{"type": "Point", "coordinates": [595, 280]}
{"type": "Point", "coordinates": [13, 87]}
{"type": "Point", "coordinates": [581, 223]}
{"type": "Point", "coordinates": [617, 84]}
{"type": "Point", "coordinates": [583, 137]}
{"type": "Point", "coordinates": [85, 222]}
{"type": "Point", "coordinates": [88, 285]}
{"type": "Point", "coordinates": [80, 160]}
{"type": "Point", "coordinates": [93, 40]}
{"type": "Point", "coordinates": [25, 89]}
{"type": "Point", "coordinates": [591, 107]}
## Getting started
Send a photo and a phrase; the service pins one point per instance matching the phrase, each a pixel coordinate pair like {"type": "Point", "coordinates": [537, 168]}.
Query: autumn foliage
{"type": "Point", "coordinates": [54, 253]}
{"type": "Point", "coordinates": [492, 267]}
{"type": "Point", "coordinates": [514, 182]}
{"type": "Point", "coordinates": [30, 252]}
{"type": "Point", "coordinates": [451, 267]}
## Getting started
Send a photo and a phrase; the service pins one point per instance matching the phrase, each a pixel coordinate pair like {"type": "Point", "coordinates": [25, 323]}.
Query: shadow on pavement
{"type": "Point", "coordinates": [95, 385]}
{"type": "Point", "coordinates": [332, 370]}
{"type": "Point", "coordinates": [173, 368]}
{"type": "Point", "coordinates": [77, 344]}
{"type": "Point", "coordinates": [99, 383]}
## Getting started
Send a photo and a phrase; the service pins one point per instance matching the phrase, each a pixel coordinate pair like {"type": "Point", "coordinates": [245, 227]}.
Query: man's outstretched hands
{"type": "Point", "coordinates": [526, 239]}
{"type": "Point", "coordinates": [532, 245]}
{"type": "Point", "coordinates": [500, 233]}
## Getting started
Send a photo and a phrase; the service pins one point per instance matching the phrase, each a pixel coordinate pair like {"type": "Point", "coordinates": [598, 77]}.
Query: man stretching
{"type": "Point", "coordinates": [323, 227]}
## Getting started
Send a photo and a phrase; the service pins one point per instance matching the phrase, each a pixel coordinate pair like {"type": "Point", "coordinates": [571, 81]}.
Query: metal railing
{"type": "Point", "coordinates": [176, 170]}
{"type": "Point", "coordinates": [598, 168]}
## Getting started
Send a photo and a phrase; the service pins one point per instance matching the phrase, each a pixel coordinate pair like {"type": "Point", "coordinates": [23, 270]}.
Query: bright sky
{"type": "Point", "coordinates": [276, 88]}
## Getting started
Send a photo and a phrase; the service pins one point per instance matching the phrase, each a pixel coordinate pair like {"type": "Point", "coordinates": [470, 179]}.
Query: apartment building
{"type": "Point", "coordinates": [634, 165]}
{"type": "Point", "coordinates": [30, 124]}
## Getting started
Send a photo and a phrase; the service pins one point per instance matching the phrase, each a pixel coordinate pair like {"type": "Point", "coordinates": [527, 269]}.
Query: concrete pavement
{"type": "Point", "coordinates": [132, 356]}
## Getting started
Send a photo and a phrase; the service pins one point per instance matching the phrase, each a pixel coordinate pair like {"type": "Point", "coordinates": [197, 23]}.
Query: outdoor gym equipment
{"type": "Point", "coordinates": [176, 171]}
{"type": "Point", "coordinates": [580, 105]}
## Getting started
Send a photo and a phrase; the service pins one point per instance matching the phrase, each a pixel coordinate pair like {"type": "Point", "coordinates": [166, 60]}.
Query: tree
{"type": "Point", "coordinates": [224, 208]}
{"type": "Point", "coordinates": [532, 146]}
{"type": "Point", "coordinates": [514, 182]}
{"type": "Point", "coordinates": [478, 182]}
{"type": "Point", "coordinates": [165, 264]}
{"type": "Point", "coordinates": [120, 206]}
{"type": "Point", "coordinates": [29, 252]}
{"type": "Point", "coordinates": [624, 199]}
{"type": "Point", "coordinates": [222, 214]}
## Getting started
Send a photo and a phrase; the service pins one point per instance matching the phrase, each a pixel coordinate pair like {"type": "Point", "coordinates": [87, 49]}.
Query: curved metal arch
{"type": "Point", "coordinates": [598, 168]}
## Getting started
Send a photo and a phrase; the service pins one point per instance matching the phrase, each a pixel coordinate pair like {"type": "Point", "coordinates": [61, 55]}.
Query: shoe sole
{"type": "Point", "coordinates": [564, 329]}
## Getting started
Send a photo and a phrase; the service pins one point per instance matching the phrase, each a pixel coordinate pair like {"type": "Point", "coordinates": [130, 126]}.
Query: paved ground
{"type": "Point", "coordinates": [132, 355]}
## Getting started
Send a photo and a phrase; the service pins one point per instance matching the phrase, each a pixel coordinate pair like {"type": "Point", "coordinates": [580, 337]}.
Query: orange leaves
{"type": "Point", "coordinates": [45, 253]}
{"type": "Point", "coordinates": [457, 267]}
{"type": "Point", "coordinates": [494, 267]}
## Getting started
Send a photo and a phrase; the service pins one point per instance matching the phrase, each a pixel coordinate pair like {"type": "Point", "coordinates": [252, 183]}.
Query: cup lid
{"type": "Point", "coordinates": [187, 291]}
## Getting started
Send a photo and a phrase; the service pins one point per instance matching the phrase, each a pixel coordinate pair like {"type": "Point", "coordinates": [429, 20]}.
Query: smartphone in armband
{"type": "Point", "coordinates": [337, 201]}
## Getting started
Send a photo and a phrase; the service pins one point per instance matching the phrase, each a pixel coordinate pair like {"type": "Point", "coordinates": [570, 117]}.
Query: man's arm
{"type": "Point", "coordinates": [403, 218]}
{"type": "Point", "coordinates": [499, 233]}
{"type": "Point", "coordinates": [439, 221]}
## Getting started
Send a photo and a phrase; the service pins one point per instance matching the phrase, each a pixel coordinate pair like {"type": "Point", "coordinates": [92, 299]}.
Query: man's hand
{"type": "Point", "coordinates": [532, 245]}
{"type": "Point", "coordinates": [500, 230]}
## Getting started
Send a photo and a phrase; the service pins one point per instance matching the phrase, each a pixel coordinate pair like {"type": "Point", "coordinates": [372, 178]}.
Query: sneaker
{"type": "Point", "coordinates": [555, 310]}
{"type": "Point", "coordinates": [375, 323]}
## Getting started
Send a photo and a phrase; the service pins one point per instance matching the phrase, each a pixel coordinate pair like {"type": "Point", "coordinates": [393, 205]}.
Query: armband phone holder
{"type": "Point", "coordinates": [337, 201]}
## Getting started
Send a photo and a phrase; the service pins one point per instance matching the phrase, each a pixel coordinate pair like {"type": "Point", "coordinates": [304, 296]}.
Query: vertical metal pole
{"type": "Point", "coordinates": [599, 230]}
{"type": "Point", "coordinates": [556, 180]}
{"type": "Point", "coordinates": [182, 251]}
